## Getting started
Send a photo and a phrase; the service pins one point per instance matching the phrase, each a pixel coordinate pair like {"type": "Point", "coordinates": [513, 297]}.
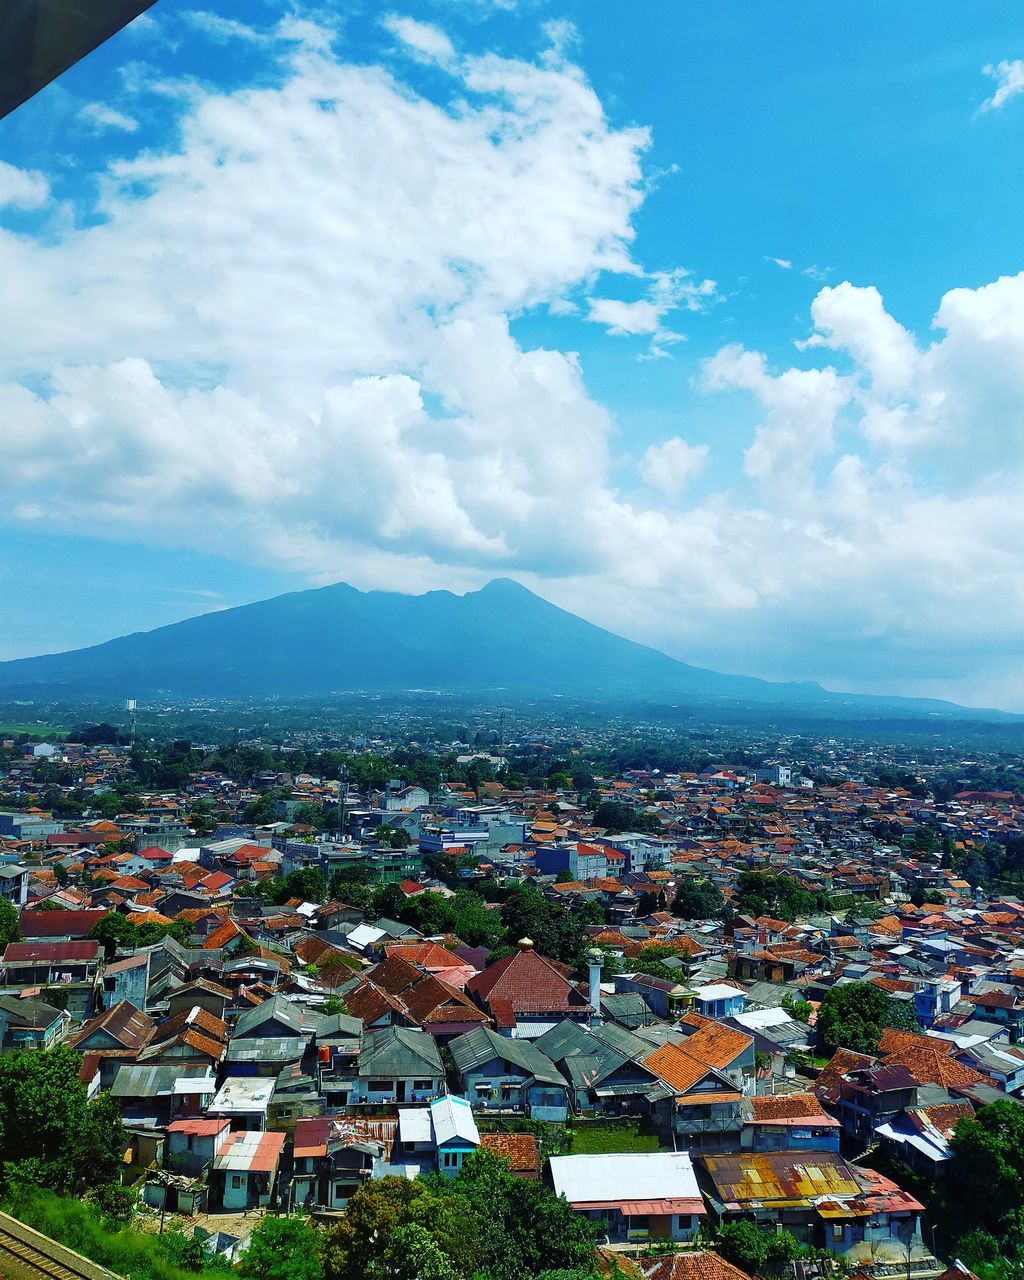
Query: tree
{"type": "Point", "coordinates": [50, 1134]}
{"type": "Point", "coordinates": [799, 1009]}
{"type": "Point", "coordinates": [854, 1015]}
{"type": "Point", "coordinates": [412, 1253]}
{"type": "Point", "coordinates": [115, 931]}
{"type": "Point", "coordinates": [756, 1250]}
{"type": "Point", "coordinates": [614, 816]}
{"type": "Point", "coordinates": [356, 1247]}
{"type": "Point", "coordinates": [983, 1190]}
{"type": "Point", "coordinates": [282, 1249]}
{"type": "Point", "coordinates": [698, 900]}
{"type": "Point", "coordinates": [9, 931]}
{"type": "Point", "coordinates": [763, 894]}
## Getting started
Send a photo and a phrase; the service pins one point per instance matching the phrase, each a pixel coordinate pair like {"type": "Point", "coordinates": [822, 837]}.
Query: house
{"type": "Point", "coordinates": [117, 1036]}
{"type": "Point", "coordinates": [442, 1134]}
{"type": "Point", "coordinates": [150, 1097]}
{"type": "Point", "coordinates": [602, 1066]}
{"type": "Point", "coordinates": [28, 1023]}
{"type": "Point", "coordinates": [518, 1150]}
{"type": "Point", "coordinates": [651, 1197]}
{"type": "Point", "coordinates": [500, 1074]}
{"type": "Point", "coordinates": [192, 1144]}
{"type": "Point", "coordinates": [697, 1264]}
{"type": "Point", "coordinates": [72, 966]}
{"type": "Point", "coordinates": [871, 1096]}
{"type": "Point", "coordinates": [334, 1156]}
{"type": "Point", "coordinates": [822, 1200]}
{"type": "Point", "coordinates": [196, 1038]}
{"type": "Point", "coordinates": [126, 980]}
{"type": "Point", "coordinates": [788, 1122]}
{"type": "Point", "coordinates": [919, 1137]}
{"type": "Point", "coordinates": [245, 1170]}
{"type": "Point", "coordinates": [398, 1064]}
{"type": "Point", "coordinates": [719, 1000]}
{"type": "Point", "coordinates": [243, 1102]}
{"type": "Point", "coordinates": [526, 994]}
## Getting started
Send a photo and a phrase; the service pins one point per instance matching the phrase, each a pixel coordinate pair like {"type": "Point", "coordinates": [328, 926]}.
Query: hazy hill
{"type": "Point", "coordinates": [339, 639]}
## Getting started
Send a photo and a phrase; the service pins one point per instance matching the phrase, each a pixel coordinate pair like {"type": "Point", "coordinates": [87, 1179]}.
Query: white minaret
{"type": "Point", "coordinates": [595, 958]}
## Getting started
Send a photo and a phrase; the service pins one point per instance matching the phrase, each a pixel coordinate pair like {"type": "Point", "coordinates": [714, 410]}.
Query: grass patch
{"type": "Point", "coordinates": [608, 1139]}
{"type": "Point", "coordinates": [81, 1227]}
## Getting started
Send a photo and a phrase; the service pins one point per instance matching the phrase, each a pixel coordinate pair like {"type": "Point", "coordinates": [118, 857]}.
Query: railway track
{"type": "Point", "coordinates": [28, 1255]}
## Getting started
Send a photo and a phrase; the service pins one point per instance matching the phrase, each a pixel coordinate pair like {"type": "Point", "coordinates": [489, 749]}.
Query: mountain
{"type": "Point", "coordinates": [337, 639]}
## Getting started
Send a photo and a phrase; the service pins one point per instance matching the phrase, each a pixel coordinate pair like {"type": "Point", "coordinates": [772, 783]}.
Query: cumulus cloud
{"type": "Point", "coordinates": [1009, 78]}
{"type": "Point", "coordinates": [666, 291]}
{"type": "Point", "coordinates": [22, 188]}
{"type": "Point", "coordinates": [423, 38]}
{"type": "Point", "coordinates": [98, 116]}
{"type": "Point", "coordinates": [670, 466]}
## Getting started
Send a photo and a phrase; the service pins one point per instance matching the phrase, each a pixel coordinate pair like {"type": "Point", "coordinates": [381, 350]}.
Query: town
{"type": "Point", "coordinates": [684, 1007]}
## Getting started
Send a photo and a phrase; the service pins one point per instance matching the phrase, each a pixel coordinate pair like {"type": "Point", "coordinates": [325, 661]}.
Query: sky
{"type": "Point", "coordinates": [703, 320]}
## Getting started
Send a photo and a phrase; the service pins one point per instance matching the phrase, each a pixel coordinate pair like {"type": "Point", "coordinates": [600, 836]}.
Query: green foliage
{"type": "Point", "coordinates": [799, 1009]}
{"type": "Point", "coordinates": [756, 1250]}
{"type": "Point", "coordinates": [761, 893]}
{"type": "Point", "coordinates": [854, 1015]}
{"type": "Point", "coordinates": [51, 1135]}
{"type": "Point", "coordinates": [980, 1199]}
{"type": "Point", "coordinates": [393, 837]}
{"type": "Point", "coordinates": [115, 931]}
{"type": "Point", "coordinates": [484, 1223]}
{"type": "Point", "coordinates": [8, 922]}
{"type": "Point", "coordinates": [81, 1227]}
{"type": "Point", "coordinates": [556, 932]}
{"type": "Point", "coordinates": [698, 900]}
{"type": "Point", "coordinates": [616, 817]}
{"type": "Point", "coordinates": [463, 914]}
{"type": "Point", "coordinates": [283, 1249]}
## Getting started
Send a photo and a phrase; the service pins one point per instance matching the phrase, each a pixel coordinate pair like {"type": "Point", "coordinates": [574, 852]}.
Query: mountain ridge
{"type": "Point", "coordinates": [338, 639]}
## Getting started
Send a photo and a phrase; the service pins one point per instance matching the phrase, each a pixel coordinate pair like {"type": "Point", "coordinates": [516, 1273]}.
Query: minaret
{"type": "Point", "coordinates": [595, 958]}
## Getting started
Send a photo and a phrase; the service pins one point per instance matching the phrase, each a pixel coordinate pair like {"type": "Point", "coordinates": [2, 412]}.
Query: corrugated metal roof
{"type": "Point", "coordinates": [662, 1175]}
{"type": "Point", "coordinates": [452, 1118]}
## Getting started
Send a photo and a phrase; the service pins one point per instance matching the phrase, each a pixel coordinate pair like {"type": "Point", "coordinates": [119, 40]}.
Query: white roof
{"type": "Point", "coordinates": [719, 991]}
{"type": "Point", "coordinates": [364, 935]}
{"type": "Point", "coordinates": [452, 1118]}
{"type": "Point", "coordinates": [414, 1124]}
{"type": "Point", "coordinates": [195, 1084]}
{"type": "Point", "coordinates": [757, 1018]}
{"type": "Point", "coordinates": [242, 1094]}
{"type": "Point", "coordinates": [661, 1175]}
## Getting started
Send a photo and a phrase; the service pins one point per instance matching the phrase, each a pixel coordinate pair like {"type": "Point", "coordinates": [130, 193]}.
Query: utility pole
{"type": "Point", "coordinates": [131, 706]}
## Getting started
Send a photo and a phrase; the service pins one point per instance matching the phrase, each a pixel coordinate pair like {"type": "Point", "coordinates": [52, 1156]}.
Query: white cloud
{"type": "Point", "coordinates": [667, 291]}
{"type": "Point", "coordinates": [98, 116]}
{"type": "Point", "coordinates": [222, 30]}
{"type": "Point", "coordinates": [784, 264]}
{"type": "Point", "coordinates": [22, 188]}
{"type": "Point", "coordinates": [421, 37]}
{"type": "Point", "coordinates": [669, 467]}
{"type": "Point", "coordinates": [1009, 78]}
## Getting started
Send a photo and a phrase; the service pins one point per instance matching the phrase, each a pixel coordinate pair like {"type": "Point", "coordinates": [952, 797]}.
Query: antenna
{"type": "Point", "coordinates": [130, 706]}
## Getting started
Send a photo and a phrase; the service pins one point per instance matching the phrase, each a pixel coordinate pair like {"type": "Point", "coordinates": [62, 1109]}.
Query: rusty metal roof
{"type": "Point", "coordinates": [781, 1177]}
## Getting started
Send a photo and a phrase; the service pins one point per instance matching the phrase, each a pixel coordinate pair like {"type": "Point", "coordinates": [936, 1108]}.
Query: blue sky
{"type": "Point", "coordinates": [706, 322]}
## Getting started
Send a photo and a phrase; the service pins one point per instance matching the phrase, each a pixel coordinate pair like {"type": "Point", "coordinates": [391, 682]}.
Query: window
{"type": "Point", "coordinates": [449, 1160]}
{"type": "Point", "coordinates": [379, 1086]}
{"type": "Point", "coordinates": [236, 1180]}
{"type": "Point", "coordinates": [423, 1084]}
{"type": "Point", "coordinates": [837, 1231]}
